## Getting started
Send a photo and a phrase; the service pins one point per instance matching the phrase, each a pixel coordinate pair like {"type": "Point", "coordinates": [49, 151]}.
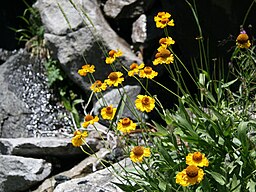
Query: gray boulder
{"type": "Point", "coordinates": [82, 40]}
{"type": "Point", "coordinates": [119, 9]}
{"type": "Point", "coordinates": [38, 147]}
{"type": "Point", "coordinates": [20, 174]}
{"type": "Point", "coordinates": [27, 106]}
{"type": "Point", "coordinates": [101, 180]}
{"type": "Point", "coordinates": [139, 30]}
{"type": "Point", "coordinates": [85, 167]}
{"type": "Point", "coordinates": [114, 97]}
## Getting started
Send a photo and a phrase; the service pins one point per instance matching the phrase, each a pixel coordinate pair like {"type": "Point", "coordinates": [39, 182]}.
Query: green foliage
{"type": "Point", "coordinates": [57, 80]}
{"type": "Point", "coordinates": [32, 21]}
{"type": "Point", "coordinates": [218, 120]}
{"type": "Point", "coordinates": [69, 100]}
{"type": "Point", "coordinates": [53, 72]}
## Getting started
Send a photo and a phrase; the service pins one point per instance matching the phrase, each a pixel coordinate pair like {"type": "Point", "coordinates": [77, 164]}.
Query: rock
{"type": "Point", "coordinates": [20, 174]}
{"type": "Point", "coordinates": [114, 97]}
{"type": "Point", "coordinates": [39, 147]}
{"type": "Point", "coordinates": [88, 165]}
{"type": "Point", "coordinates": [139, 30]}
{"type": "Point", "coordinates": [120, 9]}
{"type": "Point", "coordinates": [28, 108]}
{"type": "Point", "coordinates": [5, 54]}
{"type": "Point", "coordinates": [82, 43]}
{"type": "Point", "coordinates": [98, 181]}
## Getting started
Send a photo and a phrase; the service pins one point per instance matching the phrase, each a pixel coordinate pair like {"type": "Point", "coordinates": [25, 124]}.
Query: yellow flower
{"type": "Point", "coordinates": [98, 86]}
{"type": "Point", "coordinates": [134, 69]}
{"type": "Point", "coordinates": [147, 72]}
{"type": "Point", "coordinates": [112, 55]}
{"type": "Point", "coordinates": [163, 56]}
{"type": "Point", "coordinates": [163, 19]}
{"type": "Point", "coordinates": [86, 69]}
{"type": "Point", "coordinates": [138, 152]}
{"type": "Point", "coordinates": [165, 42]}
{"type": "Point", "coordinates": [190, 176]}
{"type": "Point", "coordinates": [126, 125]}
{"type": "Point", "coordinates": [114, 78]}
{"type": "Point", "coordinates": [89, 119]}
{"type": "Point", "coordinates": [108, 112]}
{"type": "Point", "coordinates": [78, 138]}
{"type": "Point", "coordinates": [242, 41]}
{"type": "Point", "coordinates": [197, 159]}
{"type": "Point", "coordinates": [145, 103]}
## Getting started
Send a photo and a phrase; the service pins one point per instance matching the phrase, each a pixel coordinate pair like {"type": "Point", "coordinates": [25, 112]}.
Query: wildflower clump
{"type": "Point", "coordinates": [214, 118]}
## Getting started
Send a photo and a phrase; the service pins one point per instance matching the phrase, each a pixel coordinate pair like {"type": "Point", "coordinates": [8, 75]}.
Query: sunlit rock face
{"type": "Point", "coordinates": [28, 108]}
{"type": "Point", "coordinates": [80, 42]}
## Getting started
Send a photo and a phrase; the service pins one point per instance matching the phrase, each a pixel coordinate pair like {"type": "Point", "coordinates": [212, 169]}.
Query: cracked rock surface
{"type": "Point", "coordinates": [27, 106]}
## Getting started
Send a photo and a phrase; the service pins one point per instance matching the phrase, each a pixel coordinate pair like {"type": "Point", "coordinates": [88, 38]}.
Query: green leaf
{"type": "Point", "coordinates": [217, 177]}
{"type": "Point", "coordinates": [242, 136]}
{"type": "Point", "coordinates": [234, 184]}
{"type": "Point", "coordinates": [251, 186]}
{"type": "Point", "coordinates": [77, 101]}
{"type": "Point", "coordinates": [127, 188]}
{"type": "Point", "coordinates": [161, 130]}
{"type": "Point", "coordinates": [225, 85]}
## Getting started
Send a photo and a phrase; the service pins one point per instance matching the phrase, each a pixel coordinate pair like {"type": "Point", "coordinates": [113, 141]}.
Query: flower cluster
{"type": "Point", "coordinates": [160, 149]}
{"type": "Point", "coordinates": [192, 174]}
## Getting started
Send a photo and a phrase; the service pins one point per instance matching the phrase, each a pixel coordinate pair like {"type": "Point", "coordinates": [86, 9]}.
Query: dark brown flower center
{"type": "Point", "coordinates": [113, 76]}
{"type": "Point", "coordinates": [138, 151]}
{"type": "Point", "coordinates": [111, 53]}
{"type": "Point", "coordinates": [134, 66]}
{"type": "Point", "coordinates": [109, 110]}
{"type": "Point", "coordinates": [145, 101]}
{"type": "Point", "coordinates": [197, 156]}
{"type": "Point", "coordinates": [192, 171]}
{"type": "Point", "coordinates": [162, 41]}
{"type": "Point", "coordinates": [164, 20]}
{"type": "Point", "coordinates": [88, 118]}
{"type": "Point", "coordinates": [148, 70]}
{"type": "Point", "coordinates": [126, 122]}
{"type": "Point", "coordinates": [165, 53]}
{"type": "Point", "coordinates": [242, 38]}
{"type": "Point", "coordinates": [98, 83]}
